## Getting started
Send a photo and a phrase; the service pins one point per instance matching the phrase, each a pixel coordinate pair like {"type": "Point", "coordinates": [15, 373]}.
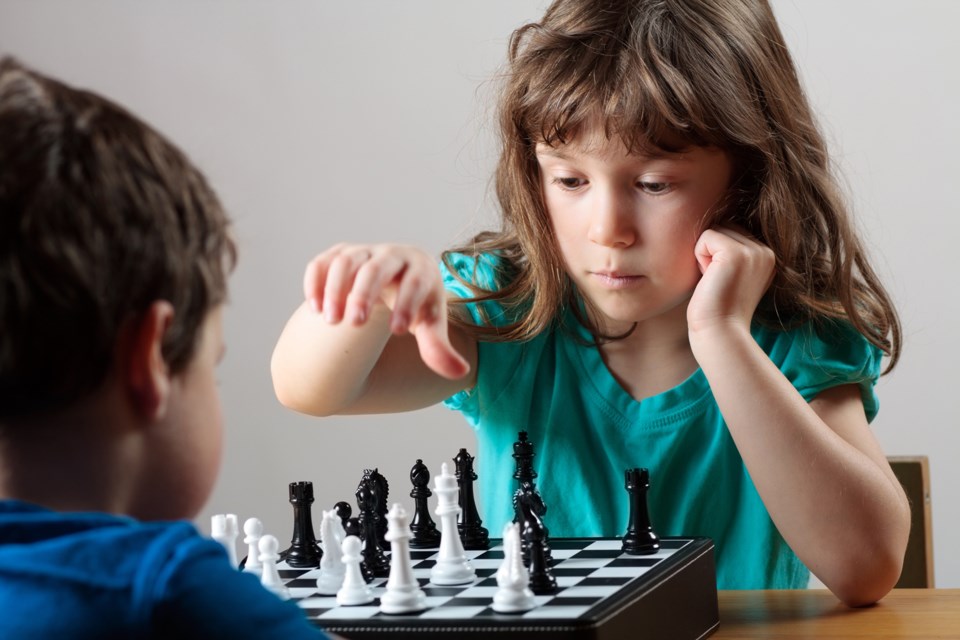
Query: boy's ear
{"type": "Point", "coordinates": [146, 374]}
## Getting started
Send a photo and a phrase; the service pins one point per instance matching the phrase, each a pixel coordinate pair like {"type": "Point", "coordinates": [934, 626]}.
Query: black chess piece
{"type": "Point", "coordinates": [304, 550]}
{"type": "Point", "coordinates": [527, 492]}
{"type": "Point", "coordinates": [473, 534]}
{"type": "Point", "coordinates": [351, 527]}
{"type": "Point", "coordinates": [423, 528]}
{"type": "Point", "coordinates": [381, 491]}
{"type": "Point", "coordinates": [529, 506]}
{"type": "Point", "coordinates": [524, 474]}
{"type": "Point", "coordinates": [523, 455]}
{"type": "Point", "coordinates": [343, 511]}
{"type": "Point", "coordinates": [640, 538]}
{"type": "Point", "coordinates": [373, 557]}
{"type": "Point", "coordinates": [542, 580]}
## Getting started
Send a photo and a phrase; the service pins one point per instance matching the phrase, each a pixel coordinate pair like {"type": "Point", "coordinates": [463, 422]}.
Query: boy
{"type": "Point", "coordinates": [114, 254]}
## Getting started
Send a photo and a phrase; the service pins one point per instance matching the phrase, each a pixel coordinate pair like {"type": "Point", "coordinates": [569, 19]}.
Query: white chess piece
{"type": "Point", "coordinates": [403, 593]}
{"type": "Point", "coordinates": [331, 564]}
{"type": "Point", "coordinates": [503, 571]}
{"type": "Point", "coordinates": [270, 578]}
{"type": "Point", "coordinates": [355, 589]}
{"type": "Point", "coordinates": [513, 594]}
{"type": "Point", "coordinates": [452, 566]}
{"type": "Point", "coordinates": [224, 529]}
{"type": "Point", "coordinates": [341, 533]}
{"type": "Point", "coordinates": [253, 531]}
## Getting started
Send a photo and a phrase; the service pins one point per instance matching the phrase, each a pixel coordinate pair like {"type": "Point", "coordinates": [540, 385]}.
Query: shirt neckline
{"type": "Point", "coordinates": [662, 409]}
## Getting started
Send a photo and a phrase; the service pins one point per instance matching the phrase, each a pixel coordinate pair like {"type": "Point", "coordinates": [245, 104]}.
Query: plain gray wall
{"type": "Point", "coordinates": [319, 122]}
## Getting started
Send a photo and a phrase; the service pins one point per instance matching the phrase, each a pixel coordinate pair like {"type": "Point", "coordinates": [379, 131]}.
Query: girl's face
{"type": "Point", "coordinates": [626, 225]}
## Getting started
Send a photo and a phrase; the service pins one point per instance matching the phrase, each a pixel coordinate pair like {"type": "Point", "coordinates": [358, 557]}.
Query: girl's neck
{"type": "Point", "coordinates": [654, 358]}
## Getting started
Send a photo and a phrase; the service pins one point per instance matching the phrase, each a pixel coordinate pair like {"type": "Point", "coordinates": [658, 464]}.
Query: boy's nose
{"type": "Point", "coordinates": [612, 221]}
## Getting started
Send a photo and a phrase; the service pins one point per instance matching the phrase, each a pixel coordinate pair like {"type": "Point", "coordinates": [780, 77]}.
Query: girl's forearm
{"type": "Point", "coordinates": [320, 368]}
{"type": "Point", "coordinates": [830, 493]}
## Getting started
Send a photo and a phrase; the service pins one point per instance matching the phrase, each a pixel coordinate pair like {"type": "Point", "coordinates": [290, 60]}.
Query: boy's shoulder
{"type": "Point", "coordinates": [111, 576]}
{"type": "Point", "coordinates": [84, 565]}
{"type": "Point", "coordinates": [88, 546]}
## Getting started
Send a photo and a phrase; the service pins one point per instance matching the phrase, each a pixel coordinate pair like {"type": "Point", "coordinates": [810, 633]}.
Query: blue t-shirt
{"type": "Point", "coordinates": [587, 430]}
{"type": "Point", "coordinates": [95, 575]}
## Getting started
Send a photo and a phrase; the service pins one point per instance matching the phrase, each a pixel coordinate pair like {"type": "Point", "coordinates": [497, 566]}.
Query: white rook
{"type": "Point", "coordinates": [224, 529]}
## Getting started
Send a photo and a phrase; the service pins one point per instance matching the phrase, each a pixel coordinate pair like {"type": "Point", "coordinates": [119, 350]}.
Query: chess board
{"type": "Point", "coordinates": [602, 594]}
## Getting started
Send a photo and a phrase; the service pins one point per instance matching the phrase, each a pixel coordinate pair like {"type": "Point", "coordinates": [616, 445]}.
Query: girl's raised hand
{"type": "Point", "coordinates": [737, 270]}
{"type": "Point", "coordinates": [345, 282]}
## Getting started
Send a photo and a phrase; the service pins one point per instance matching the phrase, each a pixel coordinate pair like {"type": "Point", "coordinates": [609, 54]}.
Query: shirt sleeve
{"type": "Point", "coordinates": [197, 593]}
{"type": "Point", "coordinates": [816, 359]}
{"type": "Point", "coordinates": [480, 271]}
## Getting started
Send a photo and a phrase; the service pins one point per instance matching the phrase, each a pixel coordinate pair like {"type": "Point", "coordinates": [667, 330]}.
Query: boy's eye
{"type": "Point", "coordinates": [568, 183]}
{"type": "Point", "coordinates": [655, 188]}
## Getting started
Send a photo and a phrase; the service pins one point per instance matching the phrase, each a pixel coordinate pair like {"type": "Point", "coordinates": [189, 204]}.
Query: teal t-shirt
{"type": "Point", "coordinates": [587, 430]}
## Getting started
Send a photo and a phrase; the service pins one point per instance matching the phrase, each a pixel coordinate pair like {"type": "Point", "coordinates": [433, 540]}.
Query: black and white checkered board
{"type": "Point", "coordinates": [602, 593]}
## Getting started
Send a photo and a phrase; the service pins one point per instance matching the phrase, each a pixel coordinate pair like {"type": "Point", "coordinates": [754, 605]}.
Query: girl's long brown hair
{"type": "Point", "coordinates": [654, 72]}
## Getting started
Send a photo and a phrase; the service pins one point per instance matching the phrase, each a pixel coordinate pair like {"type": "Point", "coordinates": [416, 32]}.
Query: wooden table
{"type": "Point", "coordinates": [816, 613]}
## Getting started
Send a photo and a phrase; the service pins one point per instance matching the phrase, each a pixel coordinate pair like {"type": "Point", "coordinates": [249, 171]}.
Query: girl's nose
{"type": "Point", "coordinates": [612, 221]}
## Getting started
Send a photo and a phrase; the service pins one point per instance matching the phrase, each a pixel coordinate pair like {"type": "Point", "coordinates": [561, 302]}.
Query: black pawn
{"type": "Point", "coordinates": [640, 538]}
{"type": "Point", "coordinates": [472, 533]}
{"type": "Point", "coordinates": [352, 527]}
{"type": "Point", "coordinates": [343, 511]}
{"type": "Point", "coordinates": [373, 556]}
{"type": "Point", "coordinates": [423, 528]}
{"type": "Point", "coordinates": [304, 550]}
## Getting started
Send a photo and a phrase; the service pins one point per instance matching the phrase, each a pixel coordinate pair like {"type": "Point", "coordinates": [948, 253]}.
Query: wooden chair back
{"type": "Point", "coordinates": [913, 472]}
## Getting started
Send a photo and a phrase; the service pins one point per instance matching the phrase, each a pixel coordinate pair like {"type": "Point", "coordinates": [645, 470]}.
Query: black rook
{"type": "Point", "coordinates": [640, 538]}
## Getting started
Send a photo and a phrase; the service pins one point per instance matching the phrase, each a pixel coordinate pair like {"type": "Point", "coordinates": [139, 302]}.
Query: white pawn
{"type": "Point", "coordinates": [513, 594]}
{"type": "Point", "coordinates": [253, 531]}
{"type": "Point", "coordinates": [224, 529]}
{"type": "Point", "coordinates": [331, 564]}
{"type": "Point", "coordinates": [355, 589]}
{"type": "Point", "coordinates": [452, 566]}
{"type": "Point", "coordinates": [403, 593]}
{"type": "Point", "coordinates": [270, 578]}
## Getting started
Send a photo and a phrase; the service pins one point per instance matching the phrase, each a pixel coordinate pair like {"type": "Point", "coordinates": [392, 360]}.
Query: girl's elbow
{"type": "Point", "coordinates": [293, 394]}
{"type": "Point", "coordinates": [300, 403]}
{"type": "Point", "coordinates": [865, 583]}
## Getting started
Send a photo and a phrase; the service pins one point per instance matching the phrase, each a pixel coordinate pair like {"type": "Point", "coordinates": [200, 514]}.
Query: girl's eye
{"type": "Point", "coordinates": [655, 188]}
{"type": "Point", "coordinates": [568, 183]}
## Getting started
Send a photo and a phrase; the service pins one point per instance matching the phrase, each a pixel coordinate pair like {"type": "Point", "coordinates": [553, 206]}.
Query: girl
{"type": "Point", "coordinates": [676, 285]}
